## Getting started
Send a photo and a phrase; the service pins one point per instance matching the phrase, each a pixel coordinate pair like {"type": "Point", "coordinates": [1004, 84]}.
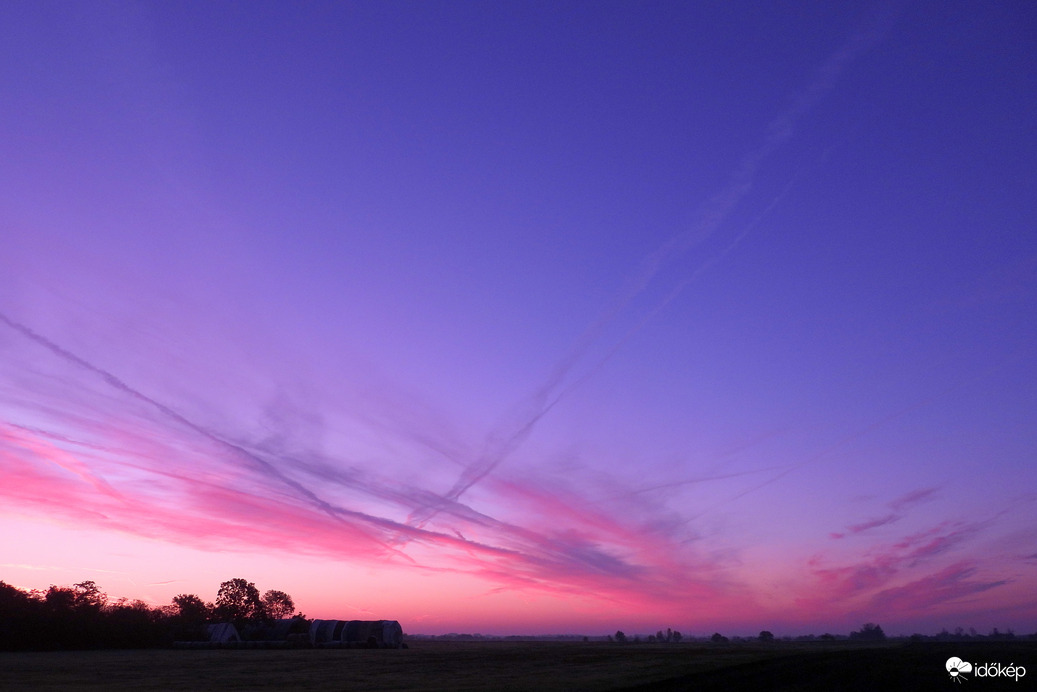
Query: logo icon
{"type": "Point", "coordinates": [956, 667]}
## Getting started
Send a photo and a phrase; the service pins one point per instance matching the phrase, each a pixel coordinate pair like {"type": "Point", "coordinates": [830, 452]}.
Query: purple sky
{"type": "Point", "coordinates": [525, 317]}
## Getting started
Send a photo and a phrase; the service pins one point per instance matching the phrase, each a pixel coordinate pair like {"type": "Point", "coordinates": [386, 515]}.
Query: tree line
{"type": "Point", "coordinates": [83, 617]}
{"type": "Point", "coordinates": [869, 632]}
{"type": "Point", "coordinates": [660, 636]}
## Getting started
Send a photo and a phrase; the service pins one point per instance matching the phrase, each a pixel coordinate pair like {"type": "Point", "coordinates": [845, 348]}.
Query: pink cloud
{"type": "Point", "coordinates": [181, 483]}
{"type": "Point", "coordinates": [912, 498]}
{"type": "Point", "coordinates": [900, 579]}
{"type": "Point", "coordinates": [899, 505]}
{"type": "Point", "coordinates": [941, 588]}
{"type": "Point", "coordinates": [100, 451]}
{"type": "Point", "coordinates": [870, 524]}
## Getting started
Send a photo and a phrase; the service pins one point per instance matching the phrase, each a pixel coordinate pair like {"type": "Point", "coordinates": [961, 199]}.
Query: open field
{"type": "Point", "coordinates": [435, 665]}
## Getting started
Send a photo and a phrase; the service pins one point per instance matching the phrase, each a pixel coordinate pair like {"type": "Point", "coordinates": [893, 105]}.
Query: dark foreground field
{"type": "Point", "coordinates": [524, 666]}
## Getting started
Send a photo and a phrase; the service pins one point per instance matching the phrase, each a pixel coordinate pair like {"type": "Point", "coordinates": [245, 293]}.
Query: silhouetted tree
{"type": "Point", "coordinates": [134, 625]}
{"type": "Point", "coordinates": [59, 599]}
{"type": "Point", "coordinates": [188, 617]}
{"type": "Point", "coordinates": [88, 596]}
{"type": "Point", "coordinates": [238, 601]}
{"type": "Point", "coordinates": [620, 637]}
{"type": "Point", "coordinates": [21, 615]}
{"type": "Point", "coordinates": [278, 604]}
{"type": "Point", "coordinates": [718, 638]}
{"type": "Point", "coordinates": [676, 636]}
{"type": "Point", "coordinates": [12, 600]}
{"type": "Point", "coordinates": [82, 617]}
{"type": "Point", "coordinates": [73, 616]}
{"type": "Point", "coordinates": [766, 636]}
{"type": "Point", "coordinates": [869, 632]}
{"type": "Point", "coordinates": [190, 607]}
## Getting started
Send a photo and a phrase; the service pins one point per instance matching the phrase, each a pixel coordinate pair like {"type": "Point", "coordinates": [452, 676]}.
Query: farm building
{"type": "Point", "coordinates": [222, 633]}
{"type": "Point", "coordinates": [380, 634]}
{"type": "Point", "coordinates": [275, 630]}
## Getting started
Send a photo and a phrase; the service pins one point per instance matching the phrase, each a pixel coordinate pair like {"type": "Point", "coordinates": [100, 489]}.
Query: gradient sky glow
{"type": "Point", "coordinates": [525, 317]}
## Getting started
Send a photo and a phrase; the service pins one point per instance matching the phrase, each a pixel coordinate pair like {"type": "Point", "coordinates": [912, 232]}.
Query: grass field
{"type": "Point", "coordinates": [436, 665]}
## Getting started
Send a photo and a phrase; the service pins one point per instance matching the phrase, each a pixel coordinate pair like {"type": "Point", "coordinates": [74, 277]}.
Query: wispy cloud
{"type": "Point", "coordinates": [941, 588]}
{"type": "Point", "coordinates": [870, 524]}
{"type": "Point", "coordinates": [122, 459]}
{"type": "Point", "coordinates": [907, 575]}
{"type": "Point", "coordinates": [899, 506]}
{"type": "Point", "coordinates": [34, 568]}
{"type": "Point", "coordinates": [915, 497]}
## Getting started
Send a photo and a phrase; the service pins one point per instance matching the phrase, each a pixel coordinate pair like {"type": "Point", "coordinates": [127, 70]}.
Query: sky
{"type": "Point", "coordinates": [525, 317]}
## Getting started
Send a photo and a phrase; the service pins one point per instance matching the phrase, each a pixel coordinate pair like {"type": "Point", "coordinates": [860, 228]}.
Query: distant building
{"type": "Point", "coordinates": [275, 630]}
{"type": "Point", "coordinates": [375, 634]}
{"type": "Point", "coordinates": [222, 633]}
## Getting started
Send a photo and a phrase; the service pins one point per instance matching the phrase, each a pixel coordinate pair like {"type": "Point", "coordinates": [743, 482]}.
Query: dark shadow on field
{"type": "Point", "coordinates": [913, 666]}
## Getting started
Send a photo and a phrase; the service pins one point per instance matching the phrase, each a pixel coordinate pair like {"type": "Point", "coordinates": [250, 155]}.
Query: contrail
{"type": "Point", "coordinates": [117, 383]}
{"type": "Point", "coordinates": [713, 215]}
{"type": "Point", "coordinates": [337, 513]}
{"type": "Point", "coordinates": [385, 526]}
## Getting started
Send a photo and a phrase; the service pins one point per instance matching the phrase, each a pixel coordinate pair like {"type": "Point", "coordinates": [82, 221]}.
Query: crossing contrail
{"type": "Point", "coordinates": [503, 442]}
